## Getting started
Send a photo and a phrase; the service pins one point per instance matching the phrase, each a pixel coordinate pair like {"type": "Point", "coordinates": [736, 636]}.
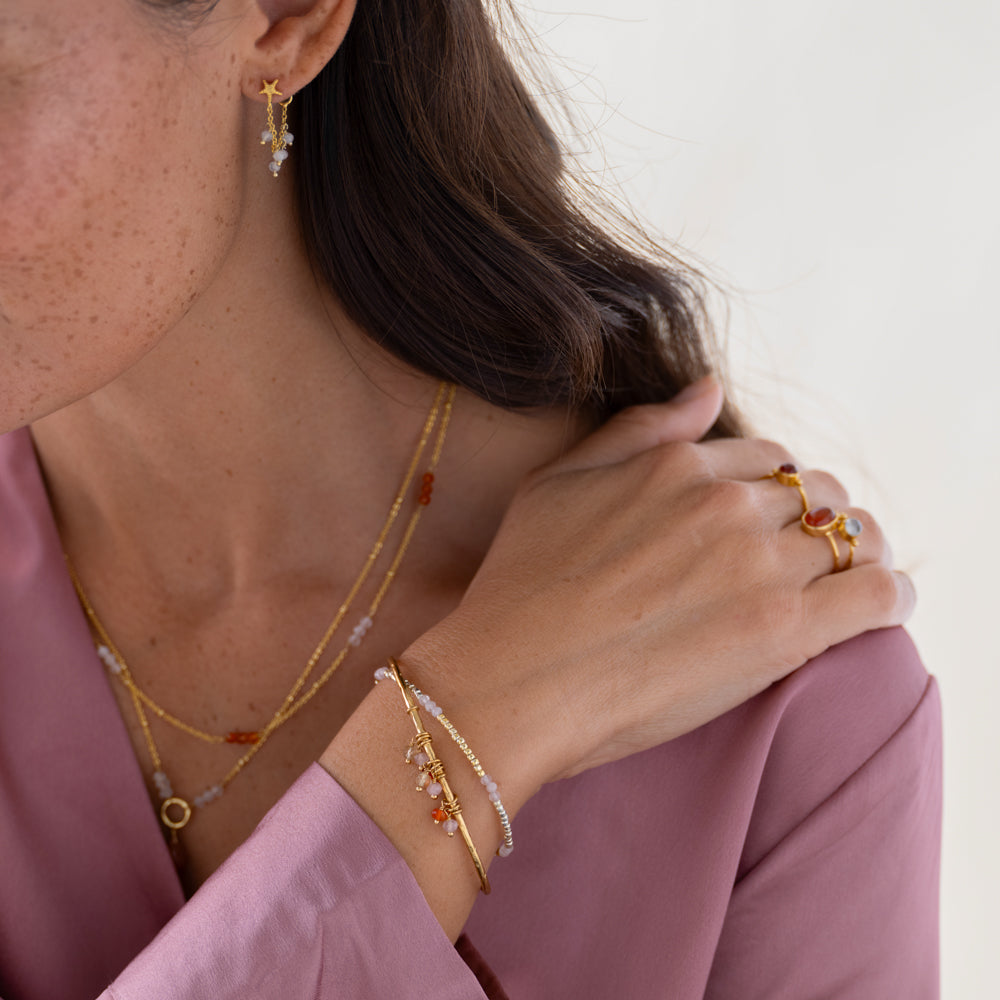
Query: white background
{"type": "Point", "coordinates": [838, 164]}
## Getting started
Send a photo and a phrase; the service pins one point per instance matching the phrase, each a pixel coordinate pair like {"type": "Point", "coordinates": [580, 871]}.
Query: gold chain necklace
{"type": "Point", "coordinates": [116, 662]}
{"type": "Point", "coordinates": [175, 812]}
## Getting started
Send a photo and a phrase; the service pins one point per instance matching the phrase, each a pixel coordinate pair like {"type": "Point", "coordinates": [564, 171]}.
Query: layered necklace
{"type": "Point", "coordinates": [176, 811]}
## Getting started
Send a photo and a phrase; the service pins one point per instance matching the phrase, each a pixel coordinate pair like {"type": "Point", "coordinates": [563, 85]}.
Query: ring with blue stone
{"type": "Point", "coordinates": [849, 528]}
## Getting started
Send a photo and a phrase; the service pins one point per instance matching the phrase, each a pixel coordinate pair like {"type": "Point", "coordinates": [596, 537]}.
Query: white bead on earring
{"type": "Point", "coordinates": [279, 138]}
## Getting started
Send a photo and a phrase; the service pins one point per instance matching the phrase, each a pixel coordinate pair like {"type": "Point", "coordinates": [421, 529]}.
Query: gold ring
{"type": "Point", "coordinates": [788, 475]}
{"type": "Point", "coordinates": [822, 522]}
{"type": "Point", "coordinates": [849, 528]}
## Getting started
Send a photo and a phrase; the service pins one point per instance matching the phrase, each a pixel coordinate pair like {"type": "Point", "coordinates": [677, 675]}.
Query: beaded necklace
{"type": "Point", "coordinates": [175, 811]}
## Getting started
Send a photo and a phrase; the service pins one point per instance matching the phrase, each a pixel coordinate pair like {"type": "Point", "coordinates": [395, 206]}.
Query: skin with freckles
{"type": "Point", "coordinates": [221, 443]}
{"type": "Point", "coordinates": [118, 155]}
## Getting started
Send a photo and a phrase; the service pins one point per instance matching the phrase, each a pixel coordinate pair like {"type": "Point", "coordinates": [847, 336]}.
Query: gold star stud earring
{"type": "Point", "coordinates": [279, 138]}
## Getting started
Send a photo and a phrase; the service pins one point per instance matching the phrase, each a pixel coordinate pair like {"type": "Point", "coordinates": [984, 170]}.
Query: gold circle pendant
{"type": "Point", "coordinates": [170, 822]}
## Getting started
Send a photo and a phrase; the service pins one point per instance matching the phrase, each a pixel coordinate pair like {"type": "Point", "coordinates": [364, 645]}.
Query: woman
{"type": "Point", "coordinates": [225, 390]}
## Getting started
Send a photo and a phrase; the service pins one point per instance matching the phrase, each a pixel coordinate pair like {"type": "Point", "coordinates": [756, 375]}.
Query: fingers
{"type": "Point", "coordinates": [824, 490]}
{"type": "Point", "coordinates": [686, 417]}
{"type": "Point", "coordinates": [751, 460]}
{"type": "Point", "coordinates": [820, 489]}
{"type": "Point", "coordinates": [886, 597]}
{"type": "Point", "coordinates": [865, 597]}
{"type": "Point", "coordinates": [747, 459]}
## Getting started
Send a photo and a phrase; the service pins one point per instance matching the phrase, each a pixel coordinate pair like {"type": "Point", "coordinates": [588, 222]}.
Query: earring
{"type": "Point", "coordinates": [279, 138]}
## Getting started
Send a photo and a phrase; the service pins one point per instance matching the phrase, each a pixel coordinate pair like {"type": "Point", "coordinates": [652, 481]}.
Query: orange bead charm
{"type": "Point", "coordinates": [439, 815]}
{"type": "Point", "coordinates": [426, 489]}
{"type": "Point", "coordinates": [238, 737]}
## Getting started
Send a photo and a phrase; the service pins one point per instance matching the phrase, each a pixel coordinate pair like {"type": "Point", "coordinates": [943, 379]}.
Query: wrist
{"type": "Point", "coordinates": [504, 734]}
{"type": "Point", "coordinates": [367, 758]}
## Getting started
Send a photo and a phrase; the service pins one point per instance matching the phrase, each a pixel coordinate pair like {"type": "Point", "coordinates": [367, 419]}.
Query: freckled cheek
{"type": "Point", "coordinates": [115, 218]}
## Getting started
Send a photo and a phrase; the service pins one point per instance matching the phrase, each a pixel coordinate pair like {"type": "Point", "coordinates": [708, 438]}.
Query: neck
{"type": "Point", "coordinates": [263, 436]}
{"type": "Point", "coordinates": [257, 440]}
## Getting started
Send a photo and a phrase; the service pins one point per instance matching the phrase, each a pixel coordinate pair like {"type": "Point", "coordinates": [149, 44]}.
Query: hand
{"type": "Point", "coordinates": [640, 586]}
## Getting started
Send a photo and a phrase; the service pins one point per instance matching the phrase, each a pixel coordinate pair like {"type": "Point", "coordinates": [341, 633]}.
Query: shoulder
{"type": "Point", "coordinates": [864, 710]}
{"type": "Point", "coordinates": [856, 694]}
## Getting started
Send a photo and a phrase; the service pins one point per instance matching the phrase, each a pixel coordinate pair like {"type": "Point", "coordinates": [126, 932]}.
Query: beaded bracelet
{"type": "Point", "coordinates": [505, 849]}
{"type": "Point", "coordinates": [433, 777]}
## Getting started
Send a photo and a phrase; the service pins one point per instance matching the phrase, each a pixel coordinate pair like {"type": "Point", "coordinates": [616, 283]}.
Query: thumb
{"type": "Point", "coordinates": [686, 417]}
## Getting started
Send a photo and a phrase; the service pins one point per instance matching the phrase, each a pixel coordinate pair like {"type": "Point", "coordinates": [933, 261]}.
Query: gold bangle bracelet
{"type": "Point", "coordinates": [434, 767]}
{"type": "Point", "coordinates": [506, 847]}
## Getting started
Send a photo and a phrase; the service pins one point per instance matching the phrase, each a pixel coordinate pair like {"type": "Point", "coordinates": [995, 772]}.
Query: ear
{"type": "Point", "coordinates": [299, 39]}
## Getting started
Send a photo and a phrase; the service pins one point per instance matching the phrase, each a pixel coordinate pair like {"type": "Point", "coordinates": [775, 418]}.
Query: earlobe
{"type": "Point", "coordinates": [300, 38]}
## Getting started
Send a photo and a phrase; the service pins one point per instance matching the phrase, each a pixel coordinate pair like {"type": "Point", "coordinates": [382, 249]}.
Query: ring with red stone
{"type": "Point", "coordinates": [788, 475]}
{"type": "Point", "coordinates": [822, 522]}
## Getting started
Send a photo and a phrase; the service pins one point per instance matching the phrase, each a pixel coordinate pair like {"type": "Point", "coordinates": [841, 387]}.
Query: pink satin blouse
{"type": "Point", "coordinates": [789, 849]}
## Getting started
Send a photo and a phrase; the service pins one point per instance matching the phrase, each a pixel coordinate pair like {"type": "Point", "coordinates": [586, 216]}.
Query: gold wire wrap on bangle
{"type": "Point", "coordinates": [436, 770]}
{"type": "Point", "coordinates": [507, 844]}
{"type": "Point", "coordinates": [788, 475]}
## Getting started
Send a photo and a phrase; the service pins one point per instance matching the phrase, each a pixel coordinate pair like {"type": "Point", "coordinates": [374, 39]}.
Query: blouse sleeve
{"type": "Point", "coordinates": [316, 904]}
{"type": "Point", "coordinates": [845, 905]}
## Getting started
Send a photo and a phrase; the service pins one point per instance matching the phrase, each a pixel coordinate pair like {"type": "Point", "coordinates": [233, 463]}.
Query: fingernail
{"type": "Point", "coordinates": [703, 385]}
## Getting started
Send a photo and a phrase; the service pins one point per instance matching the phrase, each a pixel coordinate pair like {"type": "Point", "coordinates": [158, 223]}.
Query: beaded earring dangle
{"type": "Point", "coordinates": [279, 138]}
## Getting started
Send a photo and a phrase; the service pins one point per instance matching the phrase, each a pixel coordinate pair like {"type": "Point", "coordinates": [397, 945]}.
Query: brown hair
{"type": "Point", "coordinates": [435, 201]}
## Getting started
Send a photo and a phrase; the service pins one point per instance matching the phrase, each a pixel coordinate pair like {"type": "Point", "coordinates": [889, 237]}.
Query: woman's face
{"type": "Point", "coordinates": [120, 186]}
